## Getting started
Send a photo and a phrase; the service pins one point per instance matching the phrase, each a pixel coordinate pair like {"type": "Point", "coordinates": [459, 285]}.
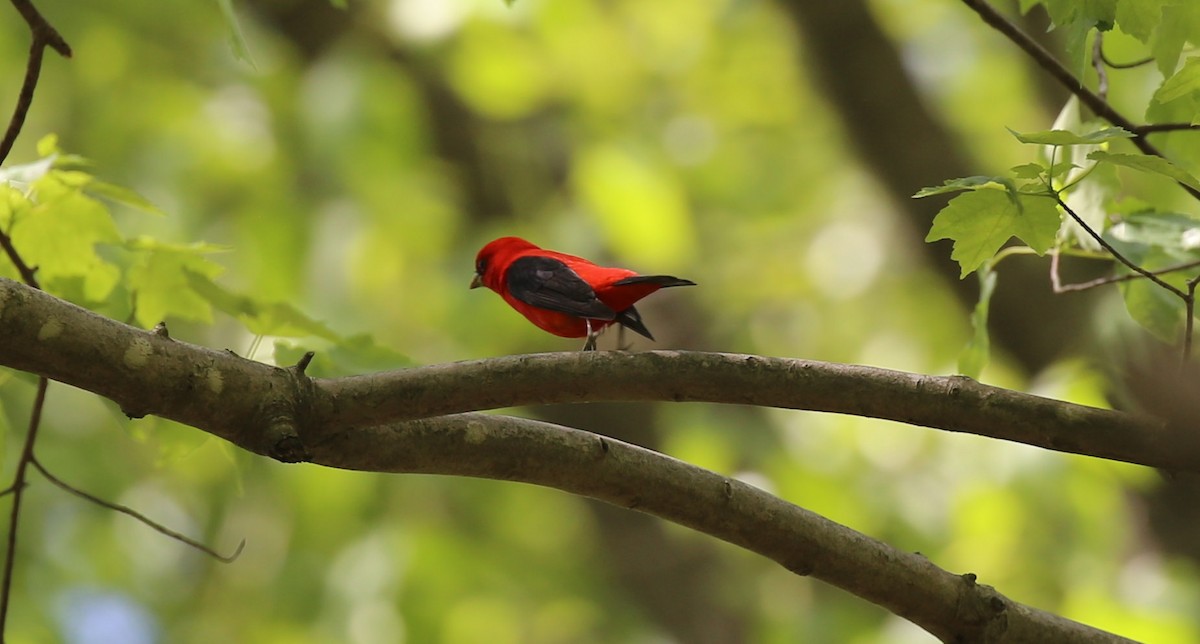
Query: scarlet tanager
{"type": "Point", "coordinates": [564, 294]}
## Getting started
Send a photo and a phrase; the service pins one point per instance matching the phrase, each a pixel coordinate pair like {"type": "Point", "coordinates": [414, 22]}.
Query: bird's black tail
{"type": "Point", "coordinates": [663, 281]}
{"type": "Point", "coordinates": [632, 320]}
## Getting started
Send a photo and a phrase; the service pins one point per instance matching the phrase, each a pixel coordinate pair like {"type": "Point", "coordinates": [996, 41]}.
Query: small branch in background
{"type": "Point", "coordinates": [18, 489]}
{"type": "Point", "coordinates": [1112, 279]}
{"type": "Point", "coordinates": [158, 527]}
{"type": "Point", "coordinates": [1117, 255]}
{"type": "Point", "coordinates": [1189, 298]}
{"type": "Point", "coordinates": [1189, 321]}
{"type": "Point", "coordinates": [1151, 128]}
{"type": "Point", "coordinates": [44, 35]}
{"type": "Point", "coordinates": [42, 30]}
{"type": "Point", "coordinates": [1137, 63]}
{"type": "Point", "coordinates": [28, 274]}
{"type": "Point", "coordinates": [24, 98]}
{"type": "Point", "coordinates": [1098, 65]}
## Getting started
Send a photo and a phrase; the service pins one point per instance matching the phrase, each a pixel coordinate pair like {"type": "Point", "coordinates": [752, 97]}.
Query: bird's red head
{"type": "Point", "coordinates": [492, 258]}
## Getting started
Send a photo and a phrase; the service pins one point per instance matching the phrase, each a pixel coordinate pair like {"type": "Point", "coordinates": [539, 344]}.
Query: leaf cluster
{"type": "Point", "coordinates": [1068, 199]}
{"type": "Point", "coordinates": [61, 217]}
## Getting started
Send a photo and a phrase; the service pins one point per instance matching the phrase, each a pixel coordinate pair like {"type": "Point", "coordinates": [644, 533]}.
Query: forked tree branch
{"type": "Point", "coordinates": [344, 423]}
{"type": "Point", "coordinates": [281, 413]}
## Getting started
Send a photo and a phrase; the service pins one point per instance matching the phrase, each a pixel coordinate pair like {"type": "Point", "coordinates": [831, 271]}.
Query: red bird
{"type": "Point", "coordinates": [564, 294]}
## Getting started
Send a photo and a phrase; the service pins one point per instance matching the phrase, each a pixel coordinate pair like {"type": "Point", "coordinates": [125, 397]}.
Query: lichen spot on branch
{"type": "Point", "coordinates": [51, 328]}
{"type": "Point", "coordinates": [138, 353]}
{"type": "Point", "coordinates": [214, 380]}
{"type": "Point", "coordinates": [475, 432]}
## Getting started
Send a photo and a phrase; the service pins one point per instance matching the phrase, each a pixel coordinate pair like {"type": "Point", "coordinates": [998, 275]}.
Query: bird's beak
{"type": "Point", "coordinates": [477, 281]}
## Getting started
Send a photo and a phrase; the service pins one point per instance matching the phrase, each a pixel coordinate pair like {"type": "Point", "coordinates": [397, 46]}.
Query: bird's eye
{"type": "Point", "coordinates": [481, 266]}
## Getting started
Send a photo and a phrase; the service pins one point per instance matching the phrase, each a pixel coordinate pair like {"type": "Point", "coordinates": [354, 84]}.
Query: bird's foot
{"type": "Point", "coordinates": [590, 345]}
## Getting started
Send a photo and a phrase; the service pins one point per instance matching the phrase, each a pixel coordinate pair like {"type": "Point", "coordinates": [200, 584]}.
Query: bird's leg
{"type": "Point", "coordinates": [621, 338]}
{"type": "Point", "coordinates": [590, 345]}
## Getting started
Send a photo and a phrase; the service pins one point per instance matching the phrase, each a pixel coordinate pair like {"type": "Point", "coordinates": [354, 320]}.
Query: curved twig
{"type": "Point", "coordinates": [1113, 279]}
{"type": "Point", "coordinates": [147, 521]}
{"type": "Point", "coordinates": [18, 487]}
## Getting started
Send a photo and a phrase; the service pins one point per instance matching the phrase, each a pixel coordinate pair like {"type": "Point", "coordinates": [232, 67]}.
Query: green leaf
{"type": "Point", "coordinates": [1152, 306]}
{"type": "Point", "coordinates": [1180, 23]}
{"type": "Point", "coordinates": [1061, 12]}
{"type": "Point", "coordinates": [975, 356]}
{"type": "Point", "coordinates": [120, 194]}
{"type": "Point", "coordinates": [261, 318]}
{"type": "Point", "coordinates": [965, 183]}
{"type": "Point", "coordinates": [1139, 18]}
{"type": "Point", "coordinates": [1062, 168]}
{"type": "Point", "coordinates": [982, 221]}
{"type": "Point", "coordinates": [1064, 137]}
{"type": "Point", "coordinates": [1149, 232]}
{"type": "Point", "coordinates": [48, 145]}
{"type": "Point", "coordinates": [1184, 83]}
{"type": "Point", "coordinates": [123, 195]}
{"type": "Point", "coordinates": [1144, 163]}
{"type": "Point", "coordinates": [1027, 171]}
{"type": "Point", "coordinates": [59, 232]}
{"type": "Point", "coordinates": [1075, 45]}
{"type": "Point", "coordinates": [13, 205]}
{"type": "Point", "coordinates": [159, 278]}
{"type": "Point", "coordinates": [236, 39]}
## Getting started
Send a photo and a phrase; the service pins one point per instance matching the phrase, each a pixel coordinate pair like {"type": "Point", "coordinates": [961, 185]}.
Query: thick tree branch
{"type": "Point", "coordinates": [952, 607]}
{"type": "Point", "coordinates": [281, 413]}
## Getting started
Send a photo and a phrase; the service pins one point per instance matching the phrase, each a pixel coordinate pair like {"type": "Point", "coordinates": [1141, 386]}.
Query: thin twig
{"type": "Point", "coordinates": [1151, 128]}
{"type": "Point", "coordinates": [1116, 254]}
{"type": "Point", "coordinates": [1098, 65]}
{"type": "Point", "coordinates": [1112, 279]}
{"type": "Point", "coordinates": [43, 35]}
{"type": "Point", "coordinates": [1046, 61]}
{"type": "Point", "coordinates": [139, 516]}
{"type": "Point", "coordinates": [1189, 322]}
{"type": "Point", "coordinates": [41, 28]}
{"type": "Point", "coordinates": [1137, 63]}
{"type": "Point", "coordinates": [28, 274]}
{"type": "Point", "coordinates": [18, 487]}
{"type": "Point", "coordinates": [33, 70]}
{"type": "Point", "coordinates": [1055, 282]}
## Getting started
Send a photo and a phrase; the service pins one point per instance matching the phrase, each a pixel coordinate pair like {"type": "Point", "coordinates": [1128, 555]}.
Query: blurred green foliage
{"type": "Point", "coordinates": [348, 177]}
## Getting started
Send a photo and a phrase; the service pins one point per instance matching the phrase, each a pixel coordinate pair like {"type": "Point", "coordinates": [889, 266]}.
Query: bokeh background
{"type": "Point", "coordinates": [357, 159]}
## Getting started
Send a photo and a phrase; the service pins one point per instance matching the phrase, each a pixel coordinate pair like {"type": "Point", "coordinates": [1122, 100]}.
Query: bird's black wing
{"type": "Point", "coordinates": [550, 284]}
